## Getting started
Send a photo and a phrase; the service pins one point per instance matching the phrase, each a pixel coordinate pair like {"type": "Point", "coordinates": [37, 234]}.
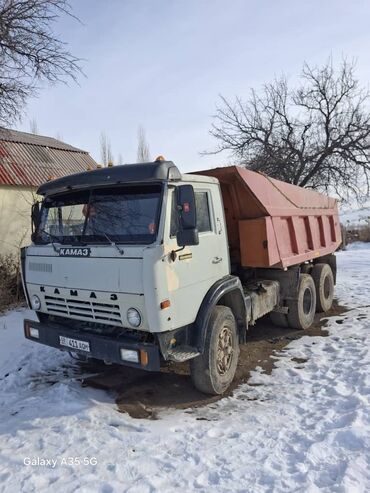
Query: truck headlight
{"type": "Point", "coordinates": [35, 302]}
{"type": "Point", "coordinates": [129, 355]}
{"type": "Point", "coordinates": [133, 317]}
{"type": "Point", "coordinates": [34, 333]}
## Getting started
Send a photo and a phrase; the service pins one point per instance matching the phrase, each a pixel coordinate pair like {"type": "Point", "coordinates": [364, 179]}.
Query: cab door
{"type": "Point", "coordinates": [192, 270]}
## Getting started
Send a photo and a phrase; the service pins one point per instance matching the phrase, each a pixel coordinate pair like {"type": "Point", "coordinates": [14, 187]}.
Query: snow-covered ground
{"type": "Point", "coordinates": [305, 427]}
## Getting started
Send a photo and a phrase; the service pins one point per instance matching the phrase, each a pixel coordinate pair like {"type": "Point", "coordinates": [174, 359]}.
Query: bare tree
{"type": "Point", "coordinates": [316, 135]}
{"type": "Point", "coordinates": [30, 52]}
{"type": "Point", "coordinates": [105, 150]}
{"type": "Point", "coordinates": [34, 127]}
{"type": "Point", "coordinates": [143, 154]}
{"type": "Point", "coordinates": [120, 159]}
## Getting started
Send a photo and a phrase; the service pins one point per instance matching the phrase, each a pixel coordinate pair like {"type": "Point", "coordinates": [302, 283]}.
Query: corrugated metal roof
{"type": "Point", "coordinates": [30, 160]}
{"type": "Point", "coordinates": [9, 135]}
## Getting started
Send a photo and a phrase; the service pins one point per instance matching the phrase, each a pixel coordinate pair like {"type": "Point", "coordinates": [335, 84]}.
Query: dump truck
{"type": "Point", "coordinates": [140, 265]}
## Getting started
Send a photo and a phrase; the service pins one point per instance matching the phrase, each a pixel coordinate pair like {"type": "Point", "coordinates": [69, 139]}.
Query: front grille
{"type": "Point", "coordinates": [86, 310]}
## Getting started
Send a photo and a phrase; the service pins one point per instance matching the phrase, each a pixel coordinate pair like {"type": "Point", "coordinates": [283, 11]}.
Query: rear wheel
{"type": "Point", "coordinates": [213, 371]}
{"type": "Point", "coordinates": [302, 310]}
{"type": "Point", "coordinates": [323, 278]}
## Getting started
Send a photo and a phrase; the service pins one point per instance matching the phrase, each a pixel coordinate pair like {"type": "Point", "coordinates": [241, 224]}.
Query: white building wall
{"type": "Point", "coordinates": [15, 217]}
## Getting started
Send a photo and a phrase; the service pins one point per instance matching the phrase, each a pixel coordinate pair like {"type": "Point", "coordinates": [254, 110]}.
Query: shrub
{"type": "Point", "coordinates": [356, 233]}
{"type": "Point", "coordinates": [364, 233]}
{"type": "Point", "coordinates": [11, 291]}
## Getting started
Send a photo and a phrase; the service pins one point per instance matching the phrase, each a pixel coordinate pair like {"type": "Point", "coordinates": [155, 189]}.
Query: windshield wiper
{"type": "Point", "coordinates": [52, 239]}
{"type": "Point", "coordinates": [120, 250]}
{"type": "Point", "coordinates": [113, 244]}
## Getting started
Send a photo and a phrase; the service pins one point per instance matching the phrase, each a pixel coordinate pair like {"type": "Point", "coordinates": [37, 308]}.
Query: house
{"type": "Point", "coordinates": [27, 161]}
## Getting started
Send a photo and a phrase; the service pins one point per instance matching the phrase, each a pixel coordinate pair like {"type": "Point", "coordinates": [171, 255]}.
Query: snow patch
{"type": "Point", "coordinates": [305, 427]}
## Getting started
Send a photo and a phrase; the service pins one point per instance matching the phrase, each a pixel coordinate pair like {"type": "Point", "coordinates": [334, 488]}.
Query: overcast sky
{"type": "Point", "coordinates": [163, 64]}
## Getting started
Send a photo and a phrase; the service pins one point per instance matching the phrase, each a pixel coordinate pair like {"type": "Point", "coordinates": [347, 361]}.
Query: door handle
{"type": "Point", "coordinates": [216, 260]}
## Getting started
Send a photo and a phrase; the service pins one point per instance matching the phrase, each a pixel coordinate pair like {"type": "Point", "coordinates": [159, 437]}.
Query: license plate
{"type": "Point", "coordinates": [74, 343]}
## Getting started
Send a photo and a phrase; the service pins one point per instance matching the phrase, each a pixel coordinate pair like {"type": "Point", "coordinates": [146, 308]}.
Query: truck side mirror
{"type": "Point", "coordinates": [35, 216]}
{"type": "Point", "coordinates": [188, 233]}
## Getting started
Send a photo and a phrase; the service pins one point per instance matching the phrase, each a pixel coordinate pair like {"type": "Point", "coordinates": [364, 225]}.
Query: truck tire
{"type": "Point", "coordinates": [279, 319]}
{"type": "Point", "coordinates": [302, 310]}
{"type": "Point", "coordinates": [213, 371]}
{"type": "Point", "coordinates": [323, 278]}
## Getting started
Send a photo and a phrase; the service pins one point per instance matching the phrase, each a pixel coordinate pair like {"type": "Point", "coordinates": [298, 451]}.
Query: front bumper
{"type": "Point", "coordinates": [104, 348]}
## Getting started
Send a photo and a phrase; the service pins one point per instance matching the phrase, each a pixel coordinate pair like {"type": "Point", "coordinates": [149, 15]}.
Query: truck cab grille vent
{"type": "Point", "coordinates": [40, 267]}
{"type": "Point", "coordinates": [86, 310]}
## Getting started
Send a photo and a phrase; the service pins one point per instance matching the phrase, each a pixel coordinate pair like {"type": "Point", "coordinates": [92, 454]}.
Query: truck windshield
{"type": "Point", "coordinates": [124, 215]}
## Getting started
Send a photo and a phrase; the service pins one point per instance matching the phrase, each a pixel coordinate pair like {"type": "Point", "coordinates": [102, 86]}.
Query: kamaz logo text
{"type": "Point", "coordinates": [74, 252]}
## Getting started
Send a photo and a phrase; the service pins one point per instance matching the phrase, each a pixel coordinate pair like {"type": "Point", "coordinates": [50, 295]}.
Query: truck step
{"type": "Point", "coordinates": [182, 353]}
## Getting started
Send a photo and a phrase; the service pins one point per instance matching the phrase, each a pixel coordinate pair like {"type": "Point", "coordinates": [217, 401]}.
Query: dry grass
{"type": "Point", "coordinates": [364, 233]}
{"type": "Point", "coordinates": [358, 233]}
{"type": "Point", "coordinates": [11, 291]}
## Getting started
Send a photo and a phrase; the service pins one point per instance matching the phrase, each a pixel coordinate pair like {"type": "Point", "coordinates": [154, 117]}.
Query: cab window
{"type": "Point", "coordinates": [203, 214]}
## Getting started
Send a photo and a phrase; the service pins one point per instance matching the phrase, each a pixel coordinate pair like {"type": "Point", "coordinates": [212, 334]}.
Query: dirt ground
{"type": "Point", "coordinates": [142, 394]}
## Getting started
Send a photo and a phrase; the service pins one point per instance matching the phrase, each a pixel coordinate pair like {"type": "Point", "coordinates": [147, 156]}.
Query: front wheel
{"type": "Point", "coordinates": [213, 371]}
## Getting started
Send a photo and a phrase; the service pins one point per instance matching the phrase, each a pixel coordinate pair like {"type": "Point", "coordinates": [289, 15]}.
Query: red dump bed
{"type": "Point", "coordinates": [271, 223]}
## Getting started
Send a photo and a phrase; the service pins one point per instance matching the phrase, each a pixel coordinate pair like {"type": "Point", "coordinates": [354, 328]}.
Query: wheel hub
{"type": "Point", "coordinates": [307, 301]}
{"type": "Point", "coordinates": [224, 350]}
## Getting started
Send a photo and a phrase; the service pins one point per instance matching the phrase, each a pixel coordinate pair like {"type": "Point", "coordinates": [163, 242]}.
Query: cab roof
{"type": "Point", "coordinates": [157, 171]}
{"type": "Point", "coordinates": [127, 173]}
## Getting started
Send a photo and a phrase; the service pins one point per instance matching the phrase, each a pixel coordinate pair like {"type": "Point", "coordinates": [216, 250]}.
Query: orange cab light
{"type": "Point", "coordinates": [27, 328]}
{"type": "Point", "coordinates": [165, 304]}
{"type": "Point", "coordinates": [144, 358]}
